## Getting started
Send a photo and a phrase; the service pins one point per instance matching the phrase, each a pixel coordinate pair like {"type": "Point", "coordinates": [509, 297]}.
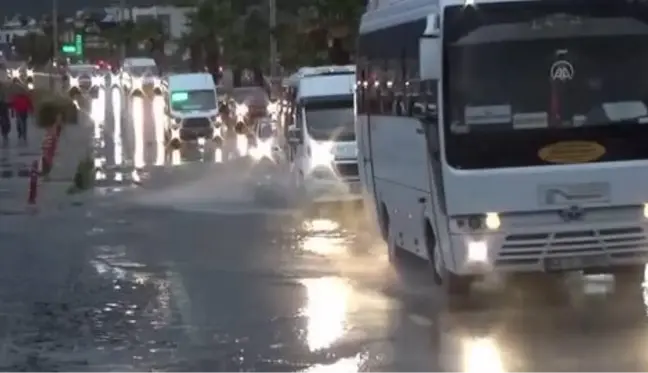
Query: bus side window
{"type": "Point", "coordinates": [299, 123]}
{"type": "Point", "coordinates": [388, 87]}
{"type": "Point", "coordinates": [414, 99]}
{"type": "Point", "coordinates": [400, 76]}
{"type": "Point", "coordinates": [360, 90]}
{"type": "Point", "coordinates": [373, 98]}
{"type": "Point", "coordinates": [430, 99]}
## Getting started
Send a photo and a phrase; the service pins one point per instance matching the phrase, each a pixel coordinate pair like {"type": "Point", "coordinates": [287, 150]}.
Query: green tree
{"type": "Point", "coordinates": [210, 30]}
{"type": "Point", "coordinates": [326, 31]}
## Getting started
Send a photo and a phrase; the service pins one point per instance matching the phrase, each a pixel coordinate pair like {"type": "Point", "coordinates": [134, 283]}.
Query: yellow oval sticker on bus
{"type": "Point", "coordinates": [572, 152]}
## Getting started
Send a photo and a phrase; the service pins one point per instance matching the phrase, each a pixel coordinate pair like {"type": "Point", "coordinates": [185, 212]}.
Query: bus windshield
{"type": "Point", "coordinates": [329, 120]}
{"type": "Point", "coordinates": [517, 87]}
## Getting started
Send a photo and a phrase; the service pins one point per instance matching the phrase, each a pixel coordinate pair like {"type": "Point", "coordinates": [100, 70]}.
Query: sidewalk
{"type": "Point", "coordinates": [16, 160]}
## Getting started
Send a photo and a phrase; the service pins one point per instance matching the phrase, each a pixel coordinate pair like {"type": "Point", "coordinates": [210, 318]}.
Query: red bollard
{"type": "Point", "coordinates": [33, 184]}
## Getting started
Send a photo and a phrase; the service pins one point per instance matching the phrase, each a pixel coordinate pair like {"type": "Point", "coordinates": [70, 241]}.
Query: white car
{"type": "Point", "coordinates": [139, 76]}
{"type": "Point", "coordinates": [84, 78]}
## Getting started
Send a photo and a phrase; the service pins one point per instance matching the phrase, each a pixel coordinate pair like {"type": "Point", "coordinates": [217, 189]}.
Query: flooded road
{"type": "Point", "coordinates": [198, 261]}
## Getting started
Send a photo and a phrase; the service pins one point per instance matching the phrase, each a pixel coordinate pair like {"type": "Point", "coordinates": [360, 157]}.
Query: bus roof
{"type": "Point", "coordinates": [320, 70]}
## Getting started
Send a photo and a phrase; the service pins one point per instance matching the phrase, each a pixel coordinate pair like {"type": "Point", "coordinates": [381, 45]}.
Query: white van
{"type": "Point", "coordinates": [192, 107]}
{"type": "Point", "coordinates": [140, 75]}
{"type": "Point", "coordinates": [324, 159]}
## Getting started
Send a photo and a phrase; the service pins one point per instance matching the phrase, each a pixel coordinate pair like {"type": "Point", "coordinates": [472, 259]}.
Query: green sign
{"type": "Point", "coordinates": [179, 96]}
{"type": "Point", "coordinates": [69, 48]}
{"type": "Point", "coordinates": [78, 44]}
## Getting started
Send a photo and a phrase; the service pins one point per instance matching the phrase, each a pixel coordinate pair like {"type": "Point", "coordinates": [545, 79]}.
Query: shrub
{"type": "Point", "coordinates": [84, 177]}
{"type": "Point", "coordinates": [56, 110]}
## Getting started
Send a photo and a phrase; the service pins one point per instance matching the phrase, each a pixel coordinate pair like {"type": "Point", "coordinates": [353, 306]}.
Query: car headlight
{"type": "Point", "coordinates": [15, 73]}
{"type": "Point", "coordinates": [241, 109]}
{"type": "Point", "coordinates": [137, 82]}
{"type": "Point", "coordinates": [645, 210]}
{"type": "Point", "coordinates": [272, 107]}
{"type": "Point", "coordinates": [30, 72]}
{"type": "Point", "coordinates": [74, 82]}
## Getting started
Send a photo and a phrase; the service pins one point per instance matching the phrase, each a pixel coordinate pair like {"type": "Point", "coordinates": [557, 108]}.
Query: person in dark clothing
{"type": "Point", "coordinates": [22, 105]}
{"type": "Point", "coordinates": [5, 120]}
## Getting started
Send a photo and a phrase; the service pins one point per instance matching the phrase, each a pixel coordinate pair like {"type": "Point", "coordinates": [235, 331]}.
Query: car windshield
{"type": "Point", "coordinates": [583, 78]}
{"type": "Point", "coordinates": [266, 131]}
{"type": "Point", "coordinates": [249, 95]}
{"type": "Point", "coordinates": [143, 70]}
{"type": "Point", "coordinates": [193, 100]}
{"type": "Point", "coordinates": [328, 120]}
{"type": "Point", "coordinates": [82, 69]}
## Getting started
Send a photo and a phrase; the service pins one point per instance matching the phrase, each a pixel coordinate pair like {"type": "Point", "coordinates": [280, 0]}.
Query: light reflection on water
{"type": "Point", "coordinates": [326, 311]}
{"type": "Point", "coordinates": [113, 263]}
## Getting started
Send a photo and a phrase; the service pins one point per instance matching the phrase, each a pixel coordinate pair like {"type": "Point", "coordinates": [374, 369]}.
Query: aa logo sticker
{"type": "Point", "coordinates": [562, 70]}
{"type": "Point", "coordinates": [567, 152]}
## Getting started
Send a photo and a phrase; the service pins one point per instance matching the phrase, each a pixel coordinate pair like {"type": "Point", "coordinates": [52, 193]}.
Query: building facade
{"type": "Point", "coordinates": [173, 18]}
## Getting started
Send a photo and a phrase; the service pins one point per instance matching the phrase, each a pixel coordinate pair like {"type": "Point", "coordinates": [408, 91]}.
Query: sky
{"type": "Point", "coordinates": [36, 8]}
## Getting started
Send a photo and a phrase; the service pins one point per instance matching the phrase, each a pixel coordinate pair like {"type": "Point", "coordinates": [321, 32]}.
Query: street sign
{"type": "Point", "coordinates": [69, 48]}
{"type": "Point", "coordinates": [78, 43]}
{"type": "Point", "coordinates": [179, 96]}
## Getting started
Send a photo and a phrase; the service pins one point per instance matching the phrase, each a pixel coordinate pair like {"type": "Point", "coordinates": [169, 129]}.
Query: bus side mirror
{"type": "Point", "coordinates": [430, 50]}
{"type": "Point", "coordinates": [294, 135]}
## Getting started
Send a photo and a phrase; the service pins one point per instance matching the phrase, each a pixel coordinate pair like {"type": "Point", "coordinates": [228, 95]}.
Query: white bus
{"type": "Point", "coordinates": [324, 153]}
{"type": "Point", "coordinates": [507, 136]}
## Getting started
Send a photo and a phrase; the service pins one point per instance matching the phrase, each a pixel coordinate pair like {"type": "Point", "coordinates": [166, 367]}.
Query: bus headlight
{"type": "Point", "coordinates": [493, 222]}
{"type": "Point", "coordinates": [477, 251]}
{"type": "Point", "coordinates": [320, 154]}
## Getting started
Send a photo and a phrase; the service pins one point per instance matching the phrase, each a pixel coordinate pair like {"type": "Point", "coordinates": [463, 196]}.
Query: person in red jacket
{"type": "Point", "coordinates": [21, 103]}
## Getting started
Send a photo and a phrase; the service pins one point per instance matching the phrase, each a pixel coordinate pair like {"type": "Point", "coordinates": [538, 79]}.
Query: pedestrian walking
{"type": "Point", "coordinates": [5, 119]}
{"type": "Point", "coordinates": [22, 105]}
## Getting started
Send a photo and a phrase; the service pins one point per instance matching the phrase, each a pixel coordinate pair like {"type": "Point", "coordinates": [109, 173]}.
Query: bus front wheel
{"type": "Point", "coordinates": [457, 288]}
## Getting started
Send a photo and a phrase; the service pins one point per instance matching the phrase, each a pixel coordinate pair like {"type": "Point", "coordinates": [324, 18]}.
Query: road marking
{"type": "Point", "coordinates": [182, 302]}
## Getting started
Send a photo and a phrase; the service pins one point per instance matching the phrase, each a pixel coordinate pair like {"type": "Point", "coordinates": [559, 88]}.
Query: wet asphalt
{"type": "Point", "coordinates": [199, 259]}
